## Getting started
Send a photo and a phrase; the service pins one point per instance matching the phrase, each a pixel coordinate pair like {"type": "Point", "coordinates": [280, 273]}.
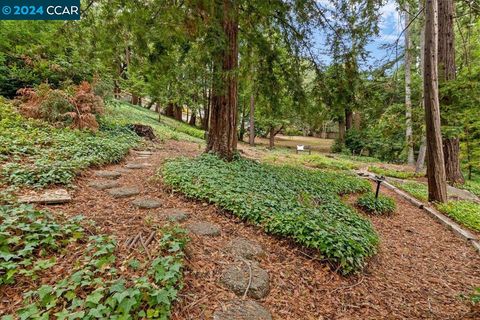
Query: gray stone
{"type": "Point", "coordinates": [144, 153]}
{"type": "Point", "coordinates": [245, 248]}
{"type": "Point", "coordinates": [204, 229]}
{"type": "Point", "coordinates": [57, 196]}
{"type": "Point", "coordinates": [242, 310]}
{"type": "Point", "coordinates": [103, 184]}
{"type": "Point", "coordinates": [237, 276]}
{"type": "Point", "coordinates": [108, 174]}
{"type": "Point", "coordinates": [176, 215]}
{"type": "Point", "coordinates": [124, 192]}
{"type": "Point", "coordinates": [137, 165]}
{"type": "Point", "coordinates": [146, 203]}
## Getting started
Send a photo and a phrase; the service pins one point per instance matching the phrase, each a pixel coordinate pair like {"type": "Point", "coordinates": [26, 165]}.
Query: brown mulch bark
{"type": "Point", "coordinates": [419, 273]}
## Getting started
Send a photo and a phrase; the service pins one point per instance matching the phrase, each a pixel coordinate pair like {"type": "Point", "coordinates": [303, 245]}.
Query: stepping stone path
{"type": "Point", "coordinates": [242, 310]}
{"type": "Point", "coordinates": [204, 229]}
{"type": "Point", "coordinates": [246, 274]}
{"type": "Point", "coordinates": [124, 192]}
{"type": "Point", "coordinates": [144, 153]}
{"type": "Point", "coordinates": [146, 203]}
{"type": "Point", "coordinates": [137, 165]}
{"type": "Point", "coordinates": [57, 196]}
{"type": "Point", "coordinates": [108, 174]}
{"type": "Point", "coordinates": [176, 215]}
{"type": "Point", "coordinates": [245, 248]}
{"type": "Point", "coordinates": [104, 184]}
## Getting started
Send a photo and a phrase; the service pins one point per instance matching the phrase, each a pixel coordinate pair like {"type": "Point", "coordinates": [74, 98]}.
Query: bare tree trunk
{"type": "Point", "coordinates": [241, 133]}
{"type": "Point", "coordinates": [423, 145]}
{"type": "Point", "coordinates": [193, 118]}
{"type": "Point", "coordinates": [251, 135]}
{"type": "Point", "coordinates": [170, 110]}
{"type": "Point", "coordinates": [177, 112]}
{"type": "Point", "coordinates": [408, 91]}
{"type": "Point", "coordinates": [271, 138]}
{"type": "Point", "coordinates": [446, 72]}
{"type": "Point", "coordinates": [341, 130]}
{"type": "Point", "coordinates": [222, 131]}
{"type": "Point", "coordinates": [437, 186]}
{"type": "Point", "coordinates": [348, 119]}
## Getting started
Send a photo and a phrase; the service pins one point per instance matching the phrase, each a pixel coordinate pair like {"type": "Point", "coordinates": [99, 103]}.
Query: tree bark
{"type": "Point", "coordinates": [341, 130]}
{"type": "Point", "coordinates": [408, 92]}
{"type": "Point", "coordinates": [421, 155]}
{"type": "Point", "coordinates": [222, 131]}
{"type": "Point", "coordinates": [169, 110]}
{"type": "Point", "coordinates": [447, 72]}
{"type": "Point", "coordinates": [271, 138]}
{"type": "Point", "coordinates": [241, 133]}
{"type": "Point", "coordinates": [437, 186]}
{"type": "Point", "coordinates": [251, 135]}
{"type": "Point", "coordinates": [193, 118]}
{"type": "Point", "coordinates": [348, 119]}
{"type": "Point", "coordinates": [423, 145]}
{"type": "Point", "coordinates": [177, 112]}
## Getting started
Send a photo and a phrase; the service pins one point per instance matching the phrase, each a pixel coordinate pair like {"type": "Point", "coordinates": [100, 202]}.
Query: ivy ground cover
{"type": "Point", "coordinates": [303, 205]}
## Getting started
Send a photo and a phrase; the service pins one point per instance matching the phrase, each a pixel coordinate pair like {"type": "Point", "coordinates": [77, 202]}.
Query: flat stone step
{"type": "Point", "coordinates": [204, 229]}
{"type": "Point", "coordinates": [57, 196]}
{"type": "Point", "coordinates": [108, 174]}
{"type": "Point", "coordinates": [144, 153]}
{"type": "Point", "coordinates": [124, 192]}
{"type": "Point", "coordinates": [137, 165]}
{"type": "Point", "coordinates": [242, 310]}
{"type": "Point", "coordinates": [175, 215]}
{"type": "Point", "coordinates": [244, 248]}
{"type": "Point", "coordinates": [236, 277]}
{"type": "Point", "coordinates": [146, 203]}
{"type": "Point", "coordinates": [103, 184]}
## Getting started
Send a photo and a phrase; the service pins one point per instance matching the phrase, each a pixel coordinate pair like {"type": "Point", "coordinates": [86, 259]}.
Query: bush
{"type": "Point", "coordinates": [381, 205]}
{"type": "Point", "coordinates": [300, 204]}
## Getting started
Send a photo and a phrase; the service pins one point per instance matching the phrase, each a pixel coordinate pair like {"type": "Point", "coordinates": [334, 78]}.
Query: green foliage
{"type": "Point", "coordinates": [416, 189]}
{"type": "Point", "coordinates": [27, 235]}
{"type": "Point", "coordinates": [123, 113]}
{"type": "Point", "coordinates": [394, 173]}
{"type": "Point", "coordinates": [473, 186]}
{"type": "Point", "coordinates": [300, 204]}
{"type": "Point", "coordinates": [465, 212]}
{"type": "Point", "coordinates": [313, 160]}
{"type": "Point", "coordinates": [38, 154]}
{"type": "Point", "coordinates": [381, 205]}
{"type": "Point", "coordinates": [94, 288]}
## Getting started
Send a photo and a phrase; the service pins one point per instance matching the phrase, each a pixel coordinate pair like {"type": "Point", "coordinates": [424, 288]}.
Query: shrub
{"type": "Point", "coordinates": [381, 205]}
{"type": "Point", "coordinates": [300, 204]}
{"type": "Point", "coordinates": [462, 211]}
{"type": "Point", "coordinates": [78, 110]}
{"type": "Point", "coordinates": [416, 189]}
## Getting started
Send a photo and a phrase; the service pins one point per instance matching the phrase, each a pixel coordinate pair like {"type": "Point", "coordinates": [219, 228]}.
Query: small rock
{"type": "Point", "coordinates": [237, 276]}
{"type": "Point", "coordinates": [204, 229]}
{"type": "Point", "coordinates": [146, 203]}
{"type": "Point", "coordinates": [103, 184]}
{"type": "Point", "coordinates": [137, 165]}
{"type": "Point", "coordinates": [242, 310]}
{"type": "Point", "coordinates": [124, 192]}
{"type": "Point", "coordinates": [245, 248]}
{"type": "Point", "coordinates": [108, 174]}
{"type": "Point", "coordinates": [176, 215]}
{"type": "Point", "coordinates": [57, 196]}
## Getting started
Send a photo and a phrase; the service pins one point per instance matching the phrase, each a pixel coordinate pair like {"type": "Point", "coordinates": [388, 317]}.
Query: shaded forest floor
{"type": "Point", "coordinates": [421, 270]}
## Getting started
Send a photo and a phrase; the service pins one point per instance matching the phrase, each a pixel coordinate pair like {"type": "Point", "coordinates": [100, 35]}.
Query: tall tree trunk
{"type": "Point", "coordinates": [408, 91]}
{"type": "Point", "coordinates": [170, 110]}
{"type": "Point", "coordinates": [134, 99]}
{"type": "Point", "coordinates": [241, 133]}
{"type": "Point", "coordinates": [423, 145]}
{"type": "Point", "coordinates": [177, 112]}
{"type": "Point", "coordinates": [446, 72]}
{"type": "Point", "coordinates": [437, 186]}
{"type": "Point", "coordinates": [222, 131]}
{"type": "Point", "coordinates": [251, 135]}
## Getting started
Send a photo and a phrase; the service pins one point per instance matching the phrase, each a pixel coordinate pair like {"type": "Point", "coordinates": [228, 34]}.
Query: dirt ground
{"type": "Point", "coordinates": [420, 272]}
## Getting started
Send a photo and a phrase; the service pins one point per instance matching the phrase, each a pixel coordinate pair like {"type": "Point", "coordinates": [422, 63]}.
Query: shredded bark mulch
{"type": "Point", "coordinates": [421, 271]}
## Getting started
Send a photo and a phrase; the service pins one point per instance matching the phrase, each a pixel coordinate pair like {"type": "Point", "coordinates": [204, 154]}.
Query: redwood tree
{"type": "Point", "coordinates": [437, 186]}
{"type": "Point", "coordinates": [446, 72]}
{"type": "Point", "coordinates": [222, 132]}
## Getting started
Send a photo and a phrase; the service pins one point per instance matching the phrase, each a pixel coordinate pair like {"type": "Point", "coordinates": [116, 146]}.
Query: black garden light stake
{"type": "Point", "coordinates": [379, 180]}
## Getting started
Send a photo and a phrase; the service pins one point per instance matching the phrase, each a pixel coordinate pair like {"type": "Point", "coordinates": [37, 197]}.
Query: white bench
{"type": "Point", "coordinates": [303, 148]}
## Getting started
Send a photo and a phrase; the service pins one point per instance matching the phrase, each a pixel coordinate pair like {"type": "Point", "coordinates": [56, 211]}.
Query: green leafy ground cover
{"type": "Point", "coordinates": [381, 205]}
{"type": "Point", "coordinates": [95, 286]}
{"type": "Point", "coordinates": [394, 173]}
{"type": "Point", "coordinates": [34, 153]}
{"type": "Point", "coordinates": [314, 160]}
{"type": "Point", "coordinates": [416, 189]}
{"type": "Point", "coordinates": [464, 212]}
{"type": "Point", "coordinates": [124, 113]}
{"type": "Point", "coordinates": [297, 203]}
{"type": "Point", "coordinates": [473, 186]}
